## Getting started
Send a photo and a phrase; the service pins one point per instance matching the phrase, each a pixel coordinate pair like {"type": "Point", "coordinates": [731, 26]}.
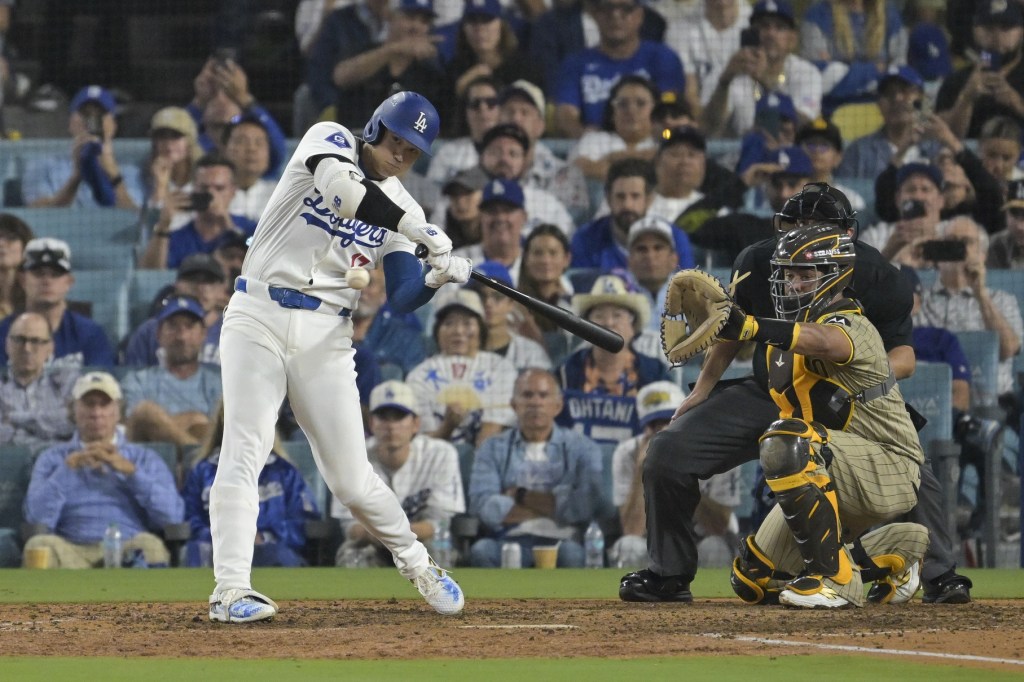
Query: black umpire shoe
{"type": "Point", "coordinates": [647, 585]}
{"type": "Point", "coordinates": [948, 589]}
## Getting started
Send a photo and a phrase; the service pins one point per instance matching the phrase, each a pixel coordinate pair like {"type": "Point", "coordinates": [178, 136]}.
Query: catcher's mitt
{"type": "Point", "coordinates": [697, 307]}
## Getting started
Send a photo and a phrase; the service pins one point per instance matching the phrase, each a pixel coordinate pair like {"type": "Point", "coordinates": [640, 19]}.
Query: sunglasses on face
{"type": "Point", "coordinates": [478, 103]}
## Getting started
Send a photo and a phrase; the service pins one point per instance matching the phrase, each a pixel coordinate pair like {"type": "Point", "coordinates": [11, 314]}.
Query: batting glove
{"type": "Point", "coordinates": [431, 236]}
{"type": "Point", "coordinates": [457, 271]}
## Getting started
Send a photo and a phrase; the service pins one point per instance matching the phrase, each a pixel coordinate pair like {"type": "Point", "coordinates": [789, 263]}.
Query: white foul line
{"type": "Point", "coordinates": [519, 627]}
{"type": "Point", "coordinates": [868, 650]}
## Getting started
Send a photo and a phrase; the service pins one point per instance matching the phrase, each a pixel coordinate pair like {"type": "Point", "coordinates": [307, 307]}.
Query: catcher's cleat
{"type": "Point", "coordinates": [897, 589]}
{"type": "Point", "coordinates": [241, 606]}
{"type": "Point", "coordinates": [808, 592]}
{"type": "Point", "coordinates": [440, 591]}
{"type": "Point", "coordinates": [648, 586]}
{"type": "Point", "coordinates": [953, 589]}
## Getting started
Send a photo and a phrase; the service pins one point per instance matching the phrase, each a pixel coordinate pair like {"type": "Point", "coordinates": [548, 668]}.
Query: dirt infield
{"type": "Point", "coordinates": [513, 628]}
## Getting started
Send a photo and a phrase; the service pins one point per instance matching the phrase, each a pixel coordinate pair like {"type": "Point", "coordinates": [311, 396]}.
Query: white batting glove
{"type": "Point", "coordinates": [457, 271]}
{"type": "Point", "coordinates": [431, 236]}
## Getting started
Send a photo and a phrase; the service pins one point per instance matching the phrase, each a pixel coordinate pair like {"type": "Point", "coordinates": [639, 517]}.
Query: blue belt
{"type": "Point", "coordinates": [290, 298]}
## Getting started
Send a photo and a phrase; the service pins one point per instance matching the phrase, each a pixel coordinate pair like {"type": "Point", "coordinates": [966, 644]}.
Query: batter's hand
{"type": "Point", "coordinates": [432, 237]}
{"type": "Point", "coordinates": [457, 271]}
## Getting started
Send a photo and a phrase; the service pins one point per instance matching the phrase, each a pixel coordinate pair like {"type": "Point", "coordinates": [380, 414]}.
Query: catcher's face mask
{"type": "Point", "coordinates": [810, 266]}
{"type": "Point", "coordinates": [795, 290]}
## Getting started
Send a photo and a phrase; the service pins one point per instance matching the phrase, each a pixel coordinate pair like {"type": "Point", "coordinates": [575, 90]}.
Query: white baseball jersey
{"type": "Point", "coordinates": [483, 383]}
{"type": "Point", "coordinates": [300, 243]}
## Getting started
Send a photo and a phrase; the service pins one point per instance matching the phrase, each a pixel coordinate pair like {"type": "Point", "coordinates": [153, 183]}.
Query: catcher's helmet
{"type": "Point", "coordinates": [827, 250]}
{"type": "Point", "coordinates": [817, 203]}
{"type": "Point", "coordinates": [407, 114]}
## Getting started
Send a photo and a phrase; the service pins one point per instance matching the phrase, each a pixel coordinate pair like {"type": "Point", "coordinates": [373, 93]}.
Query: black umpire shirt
{"type": "Point", "coordinates": [883, 292]}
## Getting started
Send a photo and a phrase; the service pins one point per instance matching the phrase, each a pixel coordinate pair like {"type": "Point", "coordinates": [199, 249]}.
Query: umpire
{"type": "Point", "coordinates": [716, 428]}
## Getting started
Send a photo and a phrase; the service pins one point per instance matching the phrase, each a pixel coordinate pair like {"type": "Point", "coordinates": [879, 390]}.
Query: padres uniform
{"type": "Point", "coordinates": [270, 351]}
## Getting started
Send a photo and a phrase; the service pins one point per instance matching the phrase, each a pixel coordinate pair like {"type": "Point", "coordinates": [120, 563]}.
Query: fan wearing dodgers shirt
{"type": "Point", "coordinates": [288, 333]}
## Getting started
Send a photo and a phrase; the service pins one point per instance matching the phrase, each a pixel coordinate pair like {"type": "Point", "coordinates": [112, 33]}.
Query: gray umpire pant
{"type": "Point", "coordinates": [719, 434]}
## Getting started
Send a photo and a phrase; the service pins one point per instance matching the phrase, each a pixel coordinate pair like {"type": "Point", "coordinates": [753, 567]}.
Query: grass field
{"type": "Point", "coordinates": [20, 587]}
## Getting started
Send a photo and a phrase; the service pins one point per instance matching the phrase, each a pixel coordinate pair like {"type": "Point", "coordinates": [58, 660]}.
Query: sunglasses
{"type": "Point", "coordinates": [478, 103]}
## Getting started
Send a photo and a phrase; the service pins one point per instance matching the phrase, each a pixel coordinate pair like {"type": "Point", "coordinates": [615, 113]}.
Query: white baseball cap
{"type": "Point", "coordinates": [658, 401]}
{"type": "Point", "coordinates": [396, 394]}
{"type": "Point", "coordinates": [96, 381]}
{"type": "Point", "coordinates": [651, 224]}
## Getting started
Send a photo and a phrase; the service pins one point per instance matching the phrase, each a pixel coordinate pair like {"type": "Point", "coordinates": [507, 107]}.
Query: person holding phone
{"type": "Point", "coordinates": [920, 201]}
{"type": "Point", "coordinates": [213, 188]}
{"type": "Point", "coordinates": [994, 86]}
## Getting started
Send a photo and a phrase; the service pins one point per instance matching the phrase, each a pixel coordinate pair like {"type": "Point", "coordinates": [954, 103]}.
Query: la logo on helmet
{"type": "Point", "coordinates": [421, 123]}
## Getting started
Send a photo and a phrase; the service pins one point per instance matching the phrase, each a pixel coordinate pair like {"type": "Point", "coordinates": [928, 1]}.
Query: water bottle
{"type": "Point", "coordinates": [593, 541]}
{"type": "Point", "coordinates": [112, 547]}
{"type": "Point", "coordinates": [443, 545]}
{"type": "Point", "coordinates": [511, 555]}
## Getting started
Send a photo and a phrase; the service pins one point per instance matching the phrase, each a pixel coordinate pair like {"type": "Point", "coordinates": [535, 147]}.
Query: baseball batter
{"type": "Point", "coordinates": [288, 332]}
{"type": "Point", "coordinates": [844, 455]}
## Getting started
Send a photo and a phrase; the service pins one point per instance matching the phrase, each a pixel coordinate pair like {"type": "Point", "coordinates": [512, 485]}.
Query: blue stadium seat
{"type": "Point", "coordinates": [169, 454]}
{"type": "Point", "coordinates": [80, 226]}
{"type": "Point", "coordinates": [15, 471]}
{"type": "Point", "coordinates": [107, 292]}
{"type": "Point", "coordinates": [930, 392]}
{"type": "Point", "coordinates": [982, 351]}
{"type": "Point", "coordinates": [606, 509]}
{"type": "Point", "coordinates": [143, 286]}
{"type": "Point", "coordinates": [301, 455]}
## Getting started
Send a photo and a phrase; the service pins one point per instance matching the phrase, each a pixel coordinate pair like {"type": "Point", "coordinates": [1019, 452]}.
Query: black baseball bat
{"type": "Point", "coordinates": [566, 319]}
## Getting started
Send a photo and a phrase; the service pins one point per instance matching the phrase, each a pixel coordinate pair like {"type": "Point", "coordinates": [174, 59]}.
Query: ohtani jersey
{"type": "Point", "coordinates": [301, 244]}
{"type": "Point", "coordinates": [813, 389]}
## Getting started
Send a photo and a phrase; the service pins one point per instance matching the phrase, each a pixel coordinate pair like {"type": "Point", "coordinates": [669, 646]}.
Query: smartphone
{"type": "Point", "coordinates": [769, 120]}
{"type": "Point", "coordinates": [990, 61]}
{"type": "Point", "coordinates": [912, 208]}
{"type": "Point", "coordinates": [750, 37]}
{"type": "Point", "coordinates": [944, 250]}
{"type": "Point", "coordinates": [199, 201]}
{"type": "Point", "coordinates": [94, 123]}
{"type": "Point", "coordinates": [223, 55]}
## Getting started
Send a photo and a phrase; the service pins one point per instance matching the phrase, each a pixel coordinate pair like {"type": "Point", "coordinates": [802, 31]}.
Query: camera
{"type": "Point", "coordinates": [94, 122]}
{"type": "Point", "coordinates": [944, 250]}
{"type": "Point", "coordinates": [223, 55]}
{"type": "Point", "coordinates": [199, 201]}
{"type": "Point", "coordinates": [750, 37]}
{"type": "Point", "coordinates": [912, 208]}
{"type": "Point", "coordinates": [990, 61]}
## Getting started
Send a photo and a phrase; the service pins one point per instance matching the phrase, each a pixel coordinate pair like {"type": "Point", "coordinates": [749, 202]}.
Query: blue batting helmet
{"type": "Point", "coordinates": [409, 115]}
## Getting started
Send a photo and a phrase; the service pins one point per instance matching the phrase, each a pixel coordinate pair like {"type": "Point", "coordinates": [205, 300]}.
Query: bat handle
{"type": "Point", "coordinates": [422, 251]}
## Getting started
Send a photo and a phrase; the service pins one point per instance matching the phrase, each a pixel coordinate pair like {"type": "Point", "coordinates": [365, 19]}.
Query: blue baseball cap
{"type": "Point", "coordinates": [420, 6]}
{"type": "Point", "coordinates": [482, 8]}
{"type": "Point", "coordinates": [181, 305]}
{"type": "Point", "coordinates": [902, 73]}
{"type": "Point", "coordinates": [94, 93]}
{"type": "Point", "coordinates": [998, 13]}
{"type": "Point", "coordinates": [501, 191]}
{"type": "Point", "coordinates": [494, 270]}
{"type": "Point", "coordinates": [793, 160]}
{"type": "Point", "coordinates": [928, 52]}
{"type": "Point", "coordinates": [778, 101]}
{"type": "Point", "coordinates": [774, 8]}
{"type": "Point", "coordinates": [919, 168]}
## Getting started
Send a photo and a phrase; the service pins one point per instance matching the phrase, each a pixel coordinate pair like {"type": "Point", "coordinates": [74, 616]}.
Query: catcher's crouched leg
{"type": "Point", "coordinates": [754, 577]}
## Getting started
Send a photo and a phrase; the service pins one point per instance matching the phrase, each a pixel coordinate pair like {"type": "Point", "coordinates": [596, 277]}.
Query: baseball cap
{"type": "Point", "coordinates": [421, 6]}
{"type": "Point", "coordinates": [773, 8]}
{"type": "Point", "coordinates": [901, 73]}
{"type": "Point", "coordinates": [200, 264]}
{"type": "Point", "coordinates": [181, 305]}
{"type": "Point", "coordinates": [928, 52]}
{"type": "Point", "coordinates": [494, 270]}
{"type": "Point", "coordinates": [999, 13]}
{"type": "Point", "coordinates": [233, 240]}
{"type": "Point", "coordinates": [524, 89]}
{"type": "Point", "coordinates": [458, 297]}
{"type": "Point", "coordinates": [651, 224]}
{"type": "Point", "coordinates": [617, 289]}
{"type": "Point", "coordinates": [47, 251]}
{"type": "Point", "coordinates": [94, 93]}
{"type": "Point", "coordinates": [395, 394]}
{"type": "Point", "coordinates": [658, 400]}
{"type": "Point", "coordinates": [777, 101]}
{"type": "Point", "coordinates": [96, 381]}
{"type": "Point", "coordinates": [919, 168]}
{"type": "Point", "coordinates": [174, 119]}
{"type": "Point", "coordinates": [501, 191]}
{"type": "Point", "coordinates": [1014, 194]}
{"type": "Point", "coordinates": [482, 8]}
{"type": "Point", "coordinates": [506, 130]}
{"type": "Point", "coordinates": [822, 128]}
{"type": "Point", "coordinates": [792, 160]}
{"type": "Point", "coordinates": [682, 135]}
{"type": "Point", "coordinates": [470, 180]}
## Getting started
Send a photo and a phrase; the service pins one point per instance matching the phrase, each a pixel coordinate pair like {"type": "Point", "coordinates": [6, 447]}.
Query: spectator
{"type": "Point", "coordinates": [46, 278]}
{"type": "Point", "coordinates": [1000, 148]}
{"type": "Point", "coordinates": [706, 41]}
{"type": "Point", "coordinates": [462, 217]}
{"type": "Point", "coordinates": [394, 339]}
{"type": "Point", "coordinates": [422, 471]}
{"type": "Point", "coordinates": [670, 112]}
{"type": "Point", "coordinates": [211, 224]}
{"type": "Point", "coordinates": [823, 143]}
{"type": "Point", "coordinates": [927, 43]}
{"type": "Point", "coordinates": [625, 132]}
{"type": "Point", "coordinates": [715, 523]}
{"type": "Point", "coordinates": [92, 175]}
{"type": "Point", "coordinates": [502, 219]}
{"type": "Point", "coordinates": [230, 254]}
{"type": "Point", "coordinates": [537, 483]}
{"type": "Point", "coordinates": [480, 107]}
{"type": "Point", "coordinates": [286, 503]}
{"type": "Point", "coordinates": [309, 18]}
{"type": "Point", "coordinates": [501, 315]}
{"type": "Point", "coordinates": [995, 85]}
{"type": "Point", "coordinates": [174, 151]}
{"type": "Point", "coordinates": [920, 201]}
{"type": "Point", "coordinates": [97, 478]}
{"type": "Point", "coordinates": [546, 257]}
{"type": "Point", "coordinates": [522, 103]}
{"type": "Point", "coordinates": [1006, 249]}
{"type": "Point", "coordinates": [775, 126]}
{"type": "Point", "coordinates": [600, 387]}
{"type": "Point", "coordinates": [200, 277]}
{"type": "Point", "coordinates": [900, 93]}
{"type": "Point", "coordinates": [172, 402]}
{"type": "Point", "coordinates": [652, 261]}
{"type": "Point", "coordinates": [486, 45]}
{"type": "Point", "coordinates": [586, 77]}
{"type": "Point", "coordinates": [463, 391]}
{"type": "Point", "coordinates": [33, 399]}
{"type": "Point", "coordinates": [687, 193]}
{"type": "Point", "coordinates": [754, 72]}
{"type": "Point", "coordinates": [15, 234]}
{"type": "Point", "coordinates": [247, 147]}
{"type": "Point", "coordinates": [960, 300]}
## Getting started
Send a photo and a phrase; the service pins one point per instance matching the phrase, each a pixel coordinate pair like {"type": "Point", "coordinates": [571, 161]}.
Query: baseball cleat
{"type": "Point", "coordinates": [648, 586]}
{"type": "Point", "coordinates": [241, 606]}
{"type": "Point", "coordinates": [809, 592]}
{"type": "Point", "coordinates": [897, 589]}
{"type": "Point", "coordinates": [954, 589]}
{"type": "Point", "coordinates": [440, 591]}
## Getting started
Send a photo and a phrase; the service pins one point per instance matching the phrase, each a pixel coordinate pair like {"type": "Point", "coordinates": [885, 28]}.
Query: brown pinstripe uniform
{"type": "Point", "coordinates": [875, 448]}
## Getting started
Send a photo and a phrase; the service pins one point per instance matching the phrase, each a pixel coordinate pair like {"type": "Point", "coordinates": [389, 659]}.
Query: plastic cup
{"type": "Point", "coordinates": [37, 558]}
{"type": "Point", "coordinates": [545, 556]}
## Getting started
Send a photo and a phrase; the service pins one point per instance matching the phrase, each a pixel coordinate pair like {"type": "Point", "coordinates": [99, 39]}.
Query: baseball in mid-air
{"type": "Point", "coordinates": [357, 278]}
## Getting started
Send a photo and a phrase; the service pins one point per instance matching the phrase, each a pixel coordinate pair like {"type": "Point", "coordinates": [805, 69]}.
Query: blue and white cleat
{"type": "Point", "coordinates": [241, 606]}
{"type": "Point", "coordinates": [440, 591]}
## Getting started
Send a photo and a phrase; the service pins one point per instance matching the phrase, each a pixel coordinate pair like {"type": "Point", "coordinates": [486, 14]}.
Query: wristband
{"type": "Point", "coordinates": [779, 333]}
{"type": "Point", "coordinates": [520, 495]}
